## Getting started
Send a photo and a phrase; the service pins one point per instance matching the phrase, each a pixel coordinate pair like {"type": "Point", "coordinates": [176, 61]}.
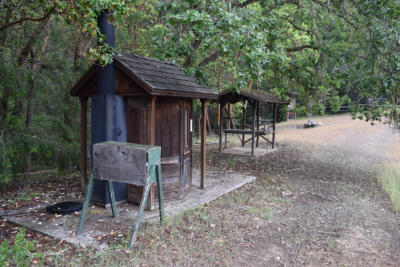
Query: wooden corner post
{"type": "Point", "coordinates": [221, 107]}
{"type": "Point", "coordinates": [258, 122]}
{"type": "Point", "coordinates": [84, 178]}
{"type": "Point", "coordinates": [253, 132]}
{"type": "Point", "coordinates": [274, 126]}
{"type": "Point", "coordinates": [244, 119]}
{"type": "Point", "coordinates": [203, 131]}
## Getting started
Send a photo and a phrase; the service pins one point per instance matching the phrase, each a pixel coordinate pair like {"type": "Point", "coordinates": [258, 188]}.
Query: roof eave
{"type": "Point", "coordinates": [191, 95]}
{"type": "Point", "coordinates": [250, 96]}
{"type": "Point", "coordinates": [74, 91]}
{"type": "Point", "coordinates": [133, 76]}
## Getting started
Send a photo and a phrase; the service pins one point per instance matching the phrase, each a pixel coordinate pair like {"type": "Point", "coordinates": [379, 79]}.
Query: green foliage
{"type": "Point", "coordinates": [51, 138]}
{"type": "Point", "coordinates": [21, 253]}
{"type": "Point", "coordinates": [336, 102]}
{"type": "Point", "coordinates": [329, 52]}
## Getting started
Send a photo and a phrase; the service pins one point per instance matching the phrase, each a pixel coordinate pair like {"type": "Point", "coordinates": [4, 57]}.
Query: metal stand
{"type": "Point", "coordinates": [154, 176]}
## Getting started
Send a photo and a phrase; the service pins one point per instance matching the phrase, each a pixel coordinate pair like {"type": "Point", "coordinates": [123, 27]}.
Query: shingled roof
{"type": "Point", "coordinates": [156, 77]}
{"type": "Point", "coordinates": [257, 95]}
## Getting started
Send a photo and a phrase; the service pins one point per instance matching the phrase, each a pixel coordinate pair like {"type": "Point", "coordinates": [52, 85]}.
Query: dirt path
{"type": "Point", "coordinates": [338, 214]}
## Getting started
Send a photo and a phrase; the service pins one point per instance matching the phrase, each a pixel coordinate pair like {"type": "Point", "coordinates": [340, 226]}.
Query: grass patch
{"type": "Point", "coordinates": [253, 210]}
{"type": "Point", "coordinates": [266, 216]}
{"type": "Point", "coordinates": [389, 178]}
{"type": "Point", "coordinates": [20, 253]}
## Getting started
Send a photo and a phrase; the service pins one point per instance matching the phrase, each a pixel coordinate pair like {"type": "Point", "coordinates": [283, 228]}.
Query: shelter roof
{"type": "Point", "coordinates": [257, 95]}
{"type": "Point", "coordinates": [156, 77]}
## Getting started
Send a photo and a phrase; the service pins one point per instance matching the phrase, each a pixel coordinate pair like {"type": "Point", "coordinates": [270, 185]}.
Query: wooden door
{"type": "Point", "coordinates": [169, 137]}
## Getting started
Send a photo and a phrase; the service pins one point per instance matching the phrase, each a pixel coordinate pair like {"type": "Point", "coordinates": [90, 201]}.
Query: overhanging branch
{"type": "Point", "coordinates": [5, 26]}
{"type": "Point", "coordinates": [298, 48]}
{"type": "Point", "coordinates": [212, 57]}
{"type": "Point", "coordinates": [295, 48]}
{"type": "Point", "coordinates": [330, 10]}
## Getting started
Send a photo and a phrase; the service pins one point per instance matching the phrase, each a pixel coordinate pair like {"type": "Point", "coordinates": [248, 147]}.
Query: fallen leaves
{"type": "Point", "coordinates": [127, 251]}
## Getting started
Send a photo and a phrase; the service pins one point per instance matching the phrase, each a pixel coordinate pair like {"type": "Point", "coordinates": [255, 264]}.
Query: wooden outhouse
{"type": "Point", "coordinates": [158, 107]}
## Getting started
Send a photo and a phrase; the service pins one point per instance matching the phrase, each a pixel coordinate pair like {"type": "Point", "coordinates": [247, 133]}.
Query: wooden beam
{"type": "Point", "coordinates": [84, 178]}
{"type": "Point", "coordinates": [258, 121]}
{"type": "Point", "coordinates": [244, 119]}
{"type": "Point", "coordinates": [221, 106]}
{"type": "Point", "coordinates": [228, 126]}
{"type": "Point", "coordinates": [266, 139]}
{"type": "Point", "coordinates": [240, 131]}
{"type": "Point", "coordinates": [219, 114]}
{"type": "Point", "coordinates": [274, 126]}
{"type": "Point", "coordinates": [203, 142]}
{"type": "Point", "coordinates": [248, 140]}
{"type": "Point", "coordinates": [254, 127]}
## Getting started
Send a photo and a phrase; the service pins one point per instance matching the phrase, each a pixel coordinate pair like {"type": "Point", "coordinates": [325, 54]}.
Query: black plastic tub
{"type": "Point", "coordinates": [66, 207]}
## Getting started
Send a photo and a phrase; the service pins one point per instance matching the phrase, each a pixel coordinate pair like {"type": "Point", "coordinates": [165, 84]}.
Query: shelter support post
{"type": "Point", "coordinates": [218, 114]}
{"type": "Point", "coordinates": [226, 139]}
{"type": "Point", "coordinates": [244, 119]}
{"type": "Point", "coordinates": [221, 107]}
{"type": "Point", "coordinates": [258, 121]}
{"type": "Point", "coordinates": [274, 125]}
{"type": "Point", "coordinates": [254, 127]}
{"type": "Point", "coordinates": [203, 142]}
{"type": "Point", "coordinates": [84, 178]}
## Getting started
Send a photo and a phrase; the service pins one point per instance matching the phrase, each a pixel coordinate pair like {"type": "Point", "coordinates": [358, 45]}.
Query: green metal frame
{"type": "Point", "coordinates": [154, 172]}
{"type": "Point", "coordinates": [154, 176]}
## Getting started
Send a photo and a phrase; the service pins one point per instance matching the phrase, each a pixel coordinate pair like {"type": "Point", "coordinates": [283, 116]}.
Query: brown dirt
{"type": "Point", "coordinates": [333, 211]}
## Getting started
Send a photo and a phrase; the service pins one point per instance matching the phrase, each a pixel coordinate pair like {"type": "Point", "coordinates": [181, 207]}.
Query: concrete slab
{"type": "Point", "coordinates": [99, 221]}
{"type": "Point", "coordinates": [246, 151]}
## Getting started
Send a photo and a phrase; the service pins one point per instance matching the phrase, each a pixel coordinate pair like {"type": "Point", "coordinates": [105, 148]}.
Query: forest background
{"type": "Point", "coordinates": [329, 53]}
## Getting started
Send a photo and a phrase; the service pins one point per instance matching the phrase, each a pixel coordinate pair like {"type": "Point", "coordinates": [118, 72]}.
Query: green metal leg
{"type": "Point", "coordinates": [142, 204]}
{"type": "Point", "coordinates": [112, 198]}
{"type": "Point", "coordinates": [88, 197]}
{"type": "Point", "coordinates": [160, 193]}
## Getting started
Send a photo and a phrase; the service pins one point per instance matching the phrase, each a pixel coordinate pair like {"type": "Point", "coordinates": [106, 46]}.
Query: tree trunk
{"type": "Point", "coordinates": [77, 51]}
{"type": "Point", "coordinates": [80, 49]}
{"type": "Point", "coordinates": [210, 131]}
{"type": "Point", "coordinates": [28, 46]}
{"type": "Point", "coordinates": [6, 21]}
{"type": "Point", "coordinates": [219, 90]}
{"type": "Point", "coordinates": [30, 96]}
{"type": "Point", "coordinates": [250, 85]}
{"type": "Point", "coordinates": [4, 105]}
